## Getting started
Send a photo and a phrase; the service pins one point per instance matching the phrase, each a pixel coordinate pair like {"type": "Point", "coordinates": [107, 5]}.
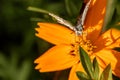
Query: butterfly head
{"type": "Point", "coordinates": [78, 29]}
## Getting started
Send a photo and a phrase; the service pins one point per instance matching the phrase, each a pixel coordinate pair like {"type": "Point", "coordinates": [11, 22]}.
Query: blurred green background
{"type": "Point", "coordinates": [19, 47]}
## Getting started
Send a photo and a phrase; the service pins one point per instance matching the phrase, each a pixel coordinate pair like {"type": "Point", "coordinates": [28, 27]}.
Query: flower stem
{"type": "Point", "coordinates": [37, 10]}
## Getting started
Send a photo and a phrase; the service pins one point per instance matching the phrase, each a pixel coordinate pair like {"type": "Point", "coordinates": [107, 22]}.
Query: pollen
{"type": "Point", "coordinates": [86, 44]}
{"type": "Point", "coordinates": [82, 41]}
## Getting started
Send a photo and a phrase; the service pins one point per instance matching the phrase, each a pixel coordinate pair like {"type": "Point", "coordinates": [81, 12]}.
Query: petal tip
{"type": "Point", "coordinates": [38, 24]}
{"type": "Point", "coordinates": [36, 61]}
{"type": "Point", "coordinates": [37, 67]}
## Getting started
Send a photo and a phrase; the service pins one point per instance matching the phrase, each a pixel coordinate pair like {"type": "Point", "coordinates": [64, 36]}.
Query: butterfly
{"type": "Point", "coordinates": [80, 22]}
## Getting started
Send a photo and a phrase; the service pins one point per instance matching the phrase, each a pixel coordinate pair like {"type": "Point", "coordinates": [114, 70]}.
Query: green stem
{"type": "Point", "coordinates": [37, 10]}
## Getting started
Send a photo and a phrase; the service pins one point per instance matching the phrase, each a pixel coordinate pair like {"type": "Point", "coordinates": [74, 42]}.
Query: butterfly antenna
{"type": "Point", "coordinates": [62, 21]}
{"type": "Point", "coordinates": [59, 19]}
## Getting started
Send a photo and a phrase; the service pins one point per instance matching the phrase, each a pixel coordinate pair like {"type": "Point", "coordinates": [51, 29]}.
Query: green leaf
{"type": "Point", "coordinates": [82, 76]}
{"type": "Point", "coordinates": [73, 7]}
{"type": "Point", "coordinates": [37, 10]}
{"type": "Point", "coordinates": [118, 8]}
{"type": "Point", "coordinates": [24, 71]}
{"type": "Point", "coordinates": [109, 13]}
{"type": "Point", "coordinates": [3, 60]}
{"type": "Point", "coordinates": [96, 69]}
{"type": "Point", "coordinates": [107, 73]}
{"type": "Point", "coordinates": [86, 62]}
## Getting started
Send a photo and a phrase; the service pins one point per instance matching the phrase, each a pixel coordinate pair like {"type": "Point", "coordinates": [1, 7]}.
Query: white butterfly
{"type": "Point", "coordinates": [79, 27]}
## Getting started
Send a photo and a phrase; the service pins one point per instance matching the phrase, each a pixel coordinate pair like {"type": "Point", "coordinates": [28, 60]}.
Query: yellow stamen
{"type": "Point", "coordinates": [84, 43]}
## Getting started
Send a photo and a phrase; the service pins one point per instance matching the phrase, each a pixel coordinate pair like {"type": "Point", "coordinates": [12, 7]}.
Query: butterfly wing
{"type": "Point", "coordinates": [81, 18]}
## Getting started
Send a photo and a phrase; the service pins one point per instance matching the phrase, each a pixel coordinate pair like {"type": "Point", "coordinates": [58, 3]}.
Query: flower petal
{"type": "Point", "coordinates": [107, 56]}
{"type": "Point", "coordinates": [75, 68]}
{"type": "Point", "coordinates": [57, 58]}
{"type": "Point", "coordinates": [107, 38]}
{"type": "Point", "coordinates": [55, 33]}
{"type": "Point", "coordinates": [116, 44]}
{"type": "Point", "coordinates": [95, 18]}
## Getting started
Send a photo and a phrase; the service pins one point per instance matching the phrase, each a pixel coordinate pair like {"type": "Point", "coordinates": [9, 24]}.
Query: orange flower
{"type": "Point", "coordinates": [65, 52]}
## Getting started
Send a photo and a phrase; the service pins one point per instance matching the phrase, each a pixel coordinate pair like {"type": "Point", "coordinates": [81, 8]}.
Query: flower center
{"type": "Point", "coordinates": [85, 44]}
{"type": "Point", "coordinates": [82, 41]}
